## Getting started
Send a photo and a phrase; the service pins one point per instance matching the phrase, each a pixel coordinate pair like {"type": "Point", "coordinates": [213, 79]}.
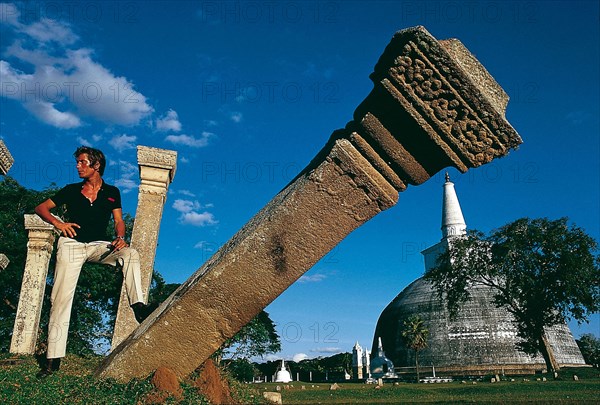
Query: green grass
{"type": "Point", "coordinates": [563, 390]}
{"type": "Point", "coordinates": [74, 384]}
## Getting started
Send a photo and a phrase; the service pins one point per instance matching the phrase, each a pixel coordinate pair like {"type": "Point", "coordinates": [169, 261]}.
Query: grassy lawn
{"type": "Point", "coordinates": [563, 390]}
{"type": "Point", "coordinates": [74, 384]}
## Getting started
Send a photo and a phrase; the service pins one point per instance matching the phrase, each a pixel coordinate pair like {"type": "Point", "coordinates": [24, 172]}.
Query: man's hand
{"type": "Point", "coordinates": [119, 243]}
{"type": "Point", "coordinates": [66, 228]}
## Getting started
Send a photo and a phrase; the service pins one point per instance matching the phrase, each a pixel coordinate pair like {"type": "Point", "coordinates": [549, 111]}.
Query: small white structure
{"type": "Point", "coordinates": [283, 375]}
{"type": "Point", "coordinates": [361, 362]}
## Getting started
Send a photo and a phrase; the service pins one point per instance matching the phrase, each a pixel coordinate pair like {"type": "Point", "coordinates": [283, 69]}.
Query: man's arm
{"type": "Point", "coordinates": [119, 241]}
{"type": "Point", "coordinates": [65, 228]}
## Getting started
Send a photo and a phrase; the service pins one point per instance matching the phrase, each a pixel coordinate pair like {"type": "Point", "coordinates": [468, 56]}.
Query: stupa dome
{"type": "Point", "coordinates": [283, 375]}
{"type": "Point", "coordinates": [482, 338]}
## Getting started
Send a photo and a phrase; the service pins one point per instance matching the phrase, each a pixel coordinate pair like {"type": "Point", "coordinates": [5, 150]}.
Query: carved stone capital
{"type": "Point", "coordinates": [34, 223]}
{"type": "Point", "coordinates": [433, 105]}
{"type": "Point", "coordinates": [6, 159]}
{"type": "Point", "coordinates": [3, 261]}
{"type": "Point", "coordinates": [157, 158]}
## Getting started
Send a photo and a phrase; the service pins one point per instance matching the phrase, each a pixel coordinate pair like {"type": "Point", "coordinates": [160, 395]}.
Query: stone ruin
{"type": "Point", "coordinates": [433, 105]}
{"type": "Point", "coordinates": [6, 159]}
{"type": "Point", "coordinates": [157, 169]}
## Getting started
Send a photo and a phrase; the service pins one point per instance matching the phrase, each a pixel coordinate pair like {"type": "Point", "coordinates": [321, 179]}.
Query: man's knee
{"type": "Point", "coordinates": [129, 255]}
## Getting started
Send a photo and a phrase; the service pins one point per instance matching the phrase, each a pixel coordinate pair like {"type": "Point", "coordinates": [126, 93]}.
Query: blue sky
{"type": "Point", "coordinates": [248, 92]}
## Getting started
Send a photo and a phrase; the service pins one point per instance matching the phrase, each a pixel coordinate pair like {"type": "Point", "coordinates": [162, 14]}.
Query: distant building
{"type": "Point", "coordinates": [482, 339]}
{"type": "Point", "coordinates": [361, 362]}
{"type": "Point", "coordinates": [283, 374]}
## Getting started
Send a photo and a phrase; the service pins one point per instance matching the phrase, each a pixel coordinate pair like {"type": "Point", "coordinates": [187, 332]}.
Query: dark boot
{"type": "Point", "coordinates": [142, 311]}
{"type": "Point", "coordinates": [51, 366]}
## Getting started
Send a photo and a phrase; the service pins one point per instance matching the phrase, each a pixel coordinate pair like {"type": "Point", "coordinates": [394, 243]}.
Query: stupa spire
{"type": "Point", "coordinates": [453, 222]}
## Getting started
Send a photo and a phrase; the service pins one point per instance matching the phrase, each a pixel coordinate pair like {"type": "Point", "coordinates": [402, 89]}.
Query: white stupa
{"type": "Point", "coordinates": [283, 375]}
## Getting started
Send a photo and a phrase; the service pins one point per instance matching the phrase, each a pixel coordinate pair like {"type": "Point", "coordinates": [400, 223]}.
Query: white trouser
{"type": "Point", "coordinates": [70, 257]}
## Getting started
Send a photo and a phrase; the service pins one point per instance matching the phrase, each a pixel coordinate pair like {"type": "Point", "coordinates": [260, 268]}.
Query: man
{"type": "Point", "coordinates": [89, 206]}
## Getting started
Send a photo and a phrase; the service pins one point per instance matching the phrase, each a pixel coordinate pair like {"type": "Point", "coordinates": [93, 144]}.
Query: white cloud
{"type": "Point", "coordinates": [83, 141]}
{"type": "Point", "coordinates": [184, 160]}
{"type": "Point", "coordinates": [191, 215]}
{"type": "Point", "coordinates": [236, 116]}
{"type": "Point", "coordinates": [44, 30]}
{"type": "Point", "coordinates": [64, 84]}
{"type": "Point", "coordinates": [333, 350]}
{"type": "Point", "coordinates": [123, 142]}
{"type": "Point", "coordinates": [314, 278]}
{"type": "Point", "coordinates": [190, 141]}
{"type": "Point", "coordinates": [169, 122]}
{"type": "Point", "coordinates": [298, 357]}
{"type": "Point", "coordinates": [185, 205]}
{"type": "Point", "coordinates": [9, 14]}
{"type": "Point", "coordinates": [126, 175]}
{"type": "Point", "coordinates": [48, 30]}
{"type": "Point", "coordinates": [198, 218]}
{"type": "Point", "coordinates": [126, 185]}
{"type": "Point", "coordinates": [206, 246]}
{"type": "Point", "coordinates": [187, 193]}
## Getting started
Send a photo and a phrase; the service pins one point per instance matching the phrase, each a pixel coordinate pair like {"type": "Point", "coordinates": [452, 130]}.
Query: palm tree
{"type": "Point", "coordinates": [415, 336]}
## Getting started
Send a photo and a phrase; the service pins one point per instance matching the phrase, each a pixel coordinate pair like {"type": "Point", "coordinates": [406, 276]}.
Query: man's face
{"type": "Point", "coordinates": [84, 168]}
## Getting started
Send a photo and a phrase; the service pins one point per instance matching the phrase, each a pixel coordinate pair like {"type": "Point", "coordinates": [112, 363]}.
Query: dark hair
{"type": "Point", "coordinates": [94, 155]}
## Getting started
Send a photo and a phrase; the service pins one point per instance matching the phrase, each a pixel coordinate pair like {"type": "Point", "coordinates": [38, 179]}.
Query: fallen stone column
{"type": "Point", "coordinates": [31, 298]}
{"type": "Point", "coordinates": [157, 169]}
{"type": "Point", "coordinates": [433, 105]}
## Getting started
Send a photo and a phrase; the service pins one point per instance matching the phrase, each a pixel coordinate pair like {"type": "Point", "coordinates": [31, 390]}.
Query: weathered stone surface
{"type": "Point", "coordinates": [6, 159]}
{"type": "Point", "coordinates": [4, 262]}
{"type": "Point", "coordinates": [424, 113]}
{"type": "Point", "coordinates": [272, 397]}
{"type": "Point", "coordinates": [29, 309]}
{"type": "Point", "coordinates": [157, 170]}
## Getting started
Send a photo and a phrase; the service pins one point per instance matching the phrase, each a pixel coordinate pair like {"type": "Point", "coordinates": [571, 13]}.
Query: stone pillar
{"type": "Point", "coordinates": [157, 169]}
{"type": "Point", "coordinates": [29, 310]}
{"type": "Point", "coordinates": [3, 261]}
{"type": "Point", "coordinates": [433, 105]}
{"type": "Point", "coordinates": [6, 159]}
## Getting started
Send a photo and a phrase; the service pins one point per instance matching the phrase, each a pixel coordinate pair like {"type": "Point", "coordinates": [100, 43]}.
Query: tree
{"type": "Point", "coordinates": [590, 349]}
{"type": "Point", "coordinates": [257, 338]}
{"type": "Point", "coordinates": [542, 271]}
{"type": "Point", "coordinates": [415, 336]}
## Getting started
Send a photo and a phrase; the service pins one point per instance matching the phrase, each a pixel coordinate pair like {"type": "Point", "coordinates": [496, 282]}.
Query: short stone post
{"type": "Point", "coordinates": [433, 106]}
{"type": "Point", "coordinates": [157, 169]}
{"type": "Point", "coordinates": [6, 159]}
{"type": "Point", "coordinates": [29, 310]}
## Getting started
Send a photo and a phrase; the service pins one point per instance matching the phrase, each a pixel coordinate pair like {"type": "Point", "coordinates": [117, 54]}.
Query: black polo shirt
{"type": "Point", "coordinates": [93, 217]}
